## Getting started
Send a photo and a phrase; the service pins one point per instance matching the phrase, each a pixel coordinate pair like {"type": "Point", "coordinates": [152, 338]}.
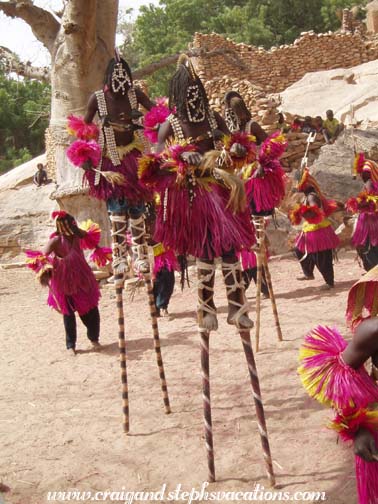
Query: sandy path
{"type": "Point", "coordinates": [60, 417]}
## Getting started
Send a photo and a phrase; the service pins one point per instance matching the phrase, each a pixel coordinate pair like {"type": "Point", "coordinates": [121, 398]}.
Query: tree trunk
{"type": "Point", "coordinates": [83, 48]}
{"type": "Point", "coordinates": [80, 46]}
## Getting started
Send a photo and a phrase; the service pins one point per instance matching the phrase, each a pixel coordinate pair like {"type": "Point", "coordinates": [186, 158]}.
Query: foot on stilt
{"type": "Point", "coordinates": [207, 313]}
{"type": "Point", "coordinates": [237, 304]}
{"type": "Point", "coordinates": [119, 246]}
{"type": "Point", "coordinates": [304, 277]}
{"type": "Point", "coordinates": [139, 246]}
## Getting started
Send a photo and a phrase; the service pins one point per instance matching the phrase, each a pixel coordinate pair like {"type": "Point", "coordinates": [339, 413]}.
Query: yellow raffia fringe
{"type": "Point", "coordinates": [248, 170]}
{"type": "Point", "coordinates": [125, 149]}
{"type": "Point", "coordinates": [33, 260]}
{"type": "Point", "coordinates": [309, 379]}
{"type": "Point", "coordinates": [279, 139]}
{"type": "Point", "coordinates": [310, 383]}
{"type": "Point", "coordinates": [114, 178]}
{"type": "Point", "coordinates": [143, 164]}
{"type": "Point", "coordinates": [158, 249]}
{"type": "Point", "coordinates": [228, 138]}
{"type": "Point", "coordinates": [89, 224]}
{"type": "Point", "coordinates": [307, 227]}
{"type": "Point", "coordinates": [371, 418]}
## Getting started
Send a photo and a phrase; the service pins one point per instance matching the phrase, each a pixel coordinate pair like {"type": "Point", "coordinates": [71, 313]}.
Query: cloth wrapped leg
{"type": "Point", "coordinates": [207, 313]}
{"type": "Point", "coordinates": [139, 245]}
{"type": "Point", "coordinates": [237, 304]}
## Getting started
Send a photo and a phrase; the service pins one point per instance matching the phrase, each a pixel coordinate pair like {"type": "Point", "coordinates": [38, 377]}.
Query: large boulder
{"type": "Point", "coordinates": [25, 211]}
{"type": "Point", "coordinates": [333, 167]}
{"type": "Point", "coordinates": [25, 217]}
{"type": "Point", "coordinates": [339, 90]}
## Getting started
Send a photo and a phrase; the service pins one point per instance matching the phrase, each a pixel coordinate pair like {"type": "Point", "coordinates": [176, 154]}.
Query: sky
{"type": "Point", "coordinates": [16, 35]}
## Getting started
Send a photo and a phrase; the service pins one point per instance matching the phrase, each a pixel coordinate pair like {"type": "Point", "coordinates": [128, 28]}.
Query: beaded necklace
{"type": "Point", "coordinates": [178, 132]}
{"type": "Point", "coordinates": [179, 136]}
{"type": "Point", "coordinates": [108, 132]}
{"type": "Point", "coordinates": [107, 136]}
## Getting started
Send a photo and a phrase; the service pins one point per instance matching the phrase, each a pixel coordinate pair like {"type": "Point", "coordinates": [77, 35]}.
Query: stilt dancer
{"type": "Point", "coordinates": [114, 178]}
{"type": "Point", "coordinates": [265, 187]}
{"type": "Point", "coordinates": [203, 211]}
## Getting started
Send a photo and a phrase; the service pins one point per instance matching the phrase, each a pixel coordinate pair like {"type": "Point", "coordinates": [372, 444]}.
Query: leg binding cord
{"type": "Point", "coordinates": [207, 313]}
{"type": "Point", "coordinates": [119, 245]}
{"type": "Point", "coordinates": [237, 304]}
{"type": "Point", "coordinates": [139, 247]}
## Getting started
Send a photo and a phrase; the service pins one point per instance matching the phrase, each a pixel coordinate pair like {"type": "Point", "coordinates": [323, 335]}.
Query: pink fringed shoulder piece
{"type": "Point", "coordinates": [101, 256]}
{"type": "Point", "coordinates": [84, 131]}
{"type": "Point", "coordinates": [325, 375]}
{"type": "Point", "coordinates": [82, 151]}
{"type": "Point", "coordinates": [154, 118]}
{"type": "Point", "coordinates": [93, 235]}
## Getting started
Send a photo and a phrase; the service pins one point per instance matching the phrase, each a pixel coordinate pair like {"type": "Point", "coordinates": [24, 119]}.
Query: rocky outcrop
{"type": "Point", "coordinates": [25, 218]}
{"type": "Point", "coordinates": [340, 90]}
{"type": "Point", "coordinates": [333, 167]}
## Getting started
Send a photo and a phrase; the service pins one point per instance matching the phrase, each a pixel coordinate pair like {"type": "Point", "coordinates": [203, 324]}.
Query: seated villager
{"type": "Point", "coordinates": [40, 176]}
{"type": "Point", "coordinates": [332, 127]}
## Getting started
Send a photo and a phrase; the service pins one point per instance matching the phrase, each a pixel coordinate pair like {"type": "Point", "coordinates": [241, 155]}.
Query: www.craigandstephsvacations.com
{"type": "Point", "coordinates": [257, 494]}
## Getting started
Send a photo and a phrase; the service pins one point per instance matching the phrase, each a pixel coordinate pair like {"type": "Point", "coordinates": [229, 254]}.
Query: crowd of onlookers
{"type": "Point", "coordinates": [330, 127]}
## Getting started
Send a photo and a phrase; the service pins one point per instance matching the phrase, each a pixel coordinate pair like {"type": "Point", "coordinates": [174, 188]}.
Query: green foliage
{"type": "Point", "coordinates": [165, 29]}
{"type": "Point", "coordinates": [24, 112]}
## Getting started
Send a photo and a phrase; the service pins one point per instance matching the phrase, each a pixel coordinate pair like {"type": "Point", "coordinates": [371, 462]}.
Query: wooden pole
{"type": "Point", "coordinates": [247, 346]}
{"type": "Point", "coordinates": [205, 367]}
{"type": "Point", "coordinates": [155, 332]}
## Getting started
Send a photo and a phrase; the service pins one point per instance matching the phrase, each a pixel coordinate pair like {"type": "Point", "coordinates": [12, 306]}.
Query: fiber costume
{"type": "Point", "coordinates": [165, 265]}
{"type": "Point", "coordinates": [365, 205]}
{"type": "Point", "coordinates": [363, 299]}
{"type": "Point", "coordinates": [109, 157]}
{"type": "Point", "coordinates": [203, 213]}
{"type": "Point", "coordinates": [248, 262]}
{"type": "Point", "coordinates": [71, 282]}
{"type": "Point", "coordinates": [114, 178]}
{"type": "Point", "coordinates": [265, 178]}
{"type": "Point", "coordinates": [314, 244]}
{"type": "Point", "coordinates": [351, 392]}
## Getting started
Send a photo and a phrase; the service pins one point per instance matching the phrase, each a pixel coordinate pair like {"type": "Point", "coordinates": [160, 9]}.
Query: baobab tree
{"type": "Point", "coordinates": [80, 40]}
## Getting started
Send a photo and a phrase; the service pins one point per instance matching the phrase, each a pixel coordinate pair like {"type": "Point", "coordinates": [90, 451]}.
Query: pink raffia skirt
{"type": "Point", "coordinates": [73, 286]}
{"type": "Point", "coordinates": [367, 479]}
{"type": "Point", "coordinates": [248, 259]}
{"type": "Point", "coordinates": [366, 228]}
{"type": "Point", "coordinates": [204, 228]}
{"type": "Point", "coordinates": [132, 189]}
{"type": "Point", "coordinates": [166, 260]}
{"type": "Point", "coordinates": [266, 193]}
{"type": "Point", "coordinates": [317, 241]}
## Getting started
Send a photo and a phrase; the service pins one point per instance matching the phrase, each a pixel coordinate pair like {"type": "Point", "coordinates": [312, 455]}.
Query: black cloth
{"type": "Point", "coordinates": [163, 288]}
{"type": "Point", "coordinates": [368, 255]}
{"type": "Point", "coordinates": [91, 320]}
{"type": "Point", "coordinates": [250, 273]}
{"type": "Point", "coordinates": [322, 260]}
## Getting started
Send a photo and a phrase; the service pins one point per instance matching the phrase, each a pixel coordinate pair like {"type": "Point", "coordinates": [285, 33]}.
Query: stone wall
{"type": "Point", "coordinates": [278, 68]}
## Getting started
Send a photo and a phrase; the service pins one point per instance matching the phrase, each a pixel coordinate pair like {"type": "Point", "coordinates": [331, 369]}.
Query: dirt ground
{"type": "Point", "coordinates": [61, 417]}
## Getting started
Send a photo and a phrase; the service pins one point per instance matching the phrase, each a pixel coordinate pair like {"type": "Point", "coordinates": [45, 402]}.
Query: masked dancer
{"type": "Point", "coordinates": [365, 206]}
